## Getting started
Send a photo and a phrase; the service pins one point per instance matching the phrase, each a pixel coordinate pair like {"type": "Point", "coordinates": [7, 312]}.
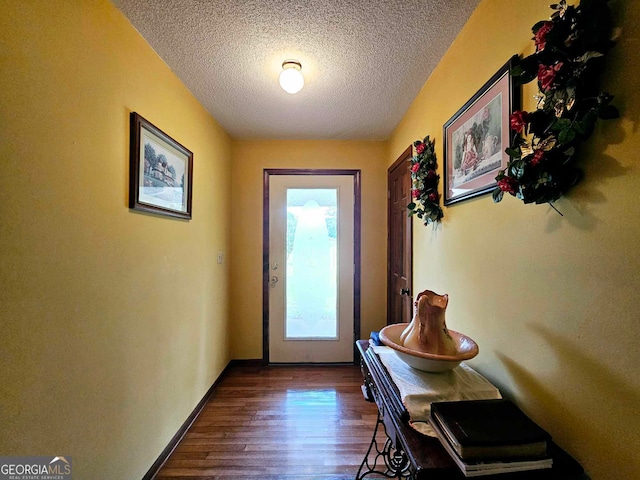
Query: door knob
{"type": "Point", "coordinates": [405, 291]}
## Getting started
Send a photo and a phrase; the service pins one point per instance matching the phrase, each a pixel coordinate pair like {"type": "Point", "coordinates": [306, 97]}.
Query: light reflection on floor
{"type": "Point", "coordinates": [315, 413]}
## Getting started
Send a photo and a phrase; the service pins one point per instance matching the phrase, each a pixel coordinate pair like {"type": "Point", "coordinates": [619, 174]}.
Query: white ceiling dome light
{"type": "Point", "coordinates": [291, 79]}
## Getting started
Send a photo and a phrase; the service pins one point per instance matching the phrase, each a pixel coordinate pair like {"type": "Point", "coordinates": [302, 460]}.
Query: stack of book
{"type": "Point", "coordinates": [487, 437]}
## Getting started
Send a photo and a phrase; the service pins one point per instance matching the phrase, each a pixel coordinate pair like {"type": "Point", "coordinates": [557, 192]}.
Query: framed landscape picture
{"type": "Point", "coordinates": [161, 171]}
{"type": "Point", "coordinates": [476, 137]}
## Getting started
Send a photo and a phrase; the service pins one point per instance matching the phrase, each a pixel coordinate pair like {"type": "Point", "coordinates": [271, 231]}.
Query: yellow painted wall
{"type": "Point", "coordinates": [113, 322]}
{"type": "Point", "coordinates": [552, 301]}
{"type": "Point", "coordinates": [250, 158]}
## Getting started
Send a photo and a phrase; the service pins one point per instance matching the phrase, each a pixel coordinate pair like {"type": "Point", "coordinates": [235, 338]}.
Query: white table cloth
{"type": "Point", "coordinates": [419, 389]}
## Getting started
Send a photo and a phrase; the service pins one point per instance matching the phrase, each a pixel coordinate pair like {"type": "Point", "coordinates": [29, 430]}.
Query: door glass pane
{"type": "Point", "coordinates": [311, 290]}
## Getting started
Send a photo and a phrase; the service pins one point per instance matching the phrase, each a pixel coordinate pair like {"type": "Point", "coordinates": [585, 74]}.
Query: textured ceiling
{"type": "Point", "coordinates": [363, 61]}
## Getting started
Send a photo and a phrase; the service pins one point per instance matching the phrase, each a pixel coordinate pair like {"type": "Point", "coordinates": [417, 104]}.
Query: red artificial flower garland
{"type": "Point", "coordinates": [424, 181]}
{"type": "Point", "coordinates": [566, 64]}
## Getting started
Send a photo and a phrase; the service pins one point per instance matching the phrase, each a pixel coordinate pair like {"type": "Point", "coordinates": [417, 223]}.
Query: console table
{"type": "Point", "coordinates": [407, 454]}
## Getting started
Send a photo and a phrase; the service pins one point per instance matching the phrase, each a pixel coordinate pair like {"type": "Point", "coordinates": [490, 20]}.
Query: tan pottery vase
{"type": "Point", "coordinates": [428, 332]}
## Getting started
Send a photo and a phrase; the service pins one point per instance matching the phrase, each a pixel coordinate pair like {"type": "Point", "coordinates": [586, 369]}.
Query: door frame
{"type": "Point", "coordinates": [404, 157]}
{"type": "Point", "coordinates": [267, 172]}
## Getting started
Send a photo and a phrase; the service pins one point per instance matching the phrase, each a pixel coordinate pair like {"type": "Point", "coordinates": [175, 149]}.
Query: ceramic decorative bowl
{"type": "Point", "coordinates": [428, 362]}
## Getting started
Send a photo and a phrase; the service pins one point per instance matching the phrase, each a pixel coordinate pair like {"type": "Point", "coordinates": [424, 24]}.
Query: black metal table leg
{"type": "Point", "coordinates": [393, 460]}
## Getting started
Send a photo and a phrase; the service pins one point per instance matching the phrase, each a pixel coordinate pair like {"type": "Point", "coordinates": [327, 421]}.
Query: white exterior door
{"type": "Point", "coordinates": [311, 268]}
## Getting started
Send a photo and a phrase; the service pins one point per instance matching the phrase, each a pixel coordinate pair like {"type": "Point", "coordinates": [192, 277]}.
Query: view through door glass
{"type": "Point", "coordinates": [311, 292]}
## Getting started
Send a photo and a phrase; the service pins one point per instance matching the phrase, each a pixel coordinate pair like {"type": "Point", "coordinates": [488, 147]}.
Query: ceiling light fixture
{"type": "Point", "coordinates": [291, 79]}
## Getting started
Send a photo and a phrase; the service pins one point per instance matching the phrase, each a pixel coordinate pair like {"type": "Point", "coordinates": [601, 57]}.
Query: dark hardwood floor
{"type": "Point", "coordinates": [282, 422]}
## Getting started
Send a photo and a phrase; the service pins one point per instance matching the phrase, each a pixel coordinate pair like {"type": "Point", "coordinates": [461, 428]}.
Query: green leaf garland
{"type": "Point", "coordinates": [568, 59]}
{"type": "Point", "coordinates": [424, 183]}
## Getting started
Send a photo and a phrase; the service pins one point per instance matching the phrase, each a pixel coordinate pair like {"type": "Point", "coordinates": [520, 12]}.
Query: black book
{"type": "Point", "coordinates": [480, 467]}
{"type": "Point", "coordinates": [485, 429]}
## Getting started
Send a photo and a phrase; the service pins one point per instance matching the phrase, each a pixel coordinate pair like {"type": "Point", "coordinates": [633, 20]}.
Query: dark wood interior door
{"type": "Point", "coordinates": [399, 241]}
